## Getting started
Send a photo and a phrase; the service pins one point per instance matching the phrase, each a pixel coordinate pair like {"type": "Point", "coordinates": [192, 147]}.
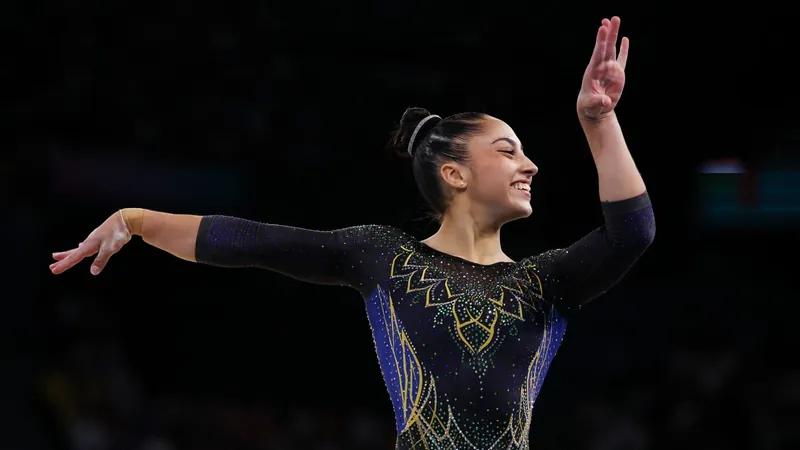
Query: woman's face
{"type": "Point", "coordinates": [498, 175]}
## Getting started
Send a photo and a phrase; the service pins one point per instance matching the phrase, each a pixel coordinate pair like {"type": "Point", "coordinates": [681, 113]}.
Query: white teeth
{"type": "Point", "coordinates": [521, 186]}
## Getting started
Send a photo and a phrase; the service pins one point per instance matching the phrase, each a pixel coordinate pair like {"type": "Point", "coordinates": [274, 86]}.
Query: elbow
{"type": "Point", "coordinates": [639, 241]}
{"type": "Point", "coordinates": [631, 224]}
{"type": "Point", "coordinates": [649, 231]}
{"type": "Point", "coordinates": [647, 236]}
{"type": "Point", "coordinates": [634, 240]}
{"type": "Point", "coordinates": [641, 230]}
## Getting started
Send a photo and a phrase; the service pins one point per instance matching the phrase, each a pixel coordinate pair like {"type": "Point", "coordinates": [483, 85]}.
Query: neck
{"type": "Point", "coordinates": [463, 235]}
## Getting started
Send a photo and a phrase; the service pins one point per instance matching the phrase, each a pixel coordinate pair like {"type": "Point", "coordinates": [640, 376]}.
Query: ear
{"type": "Point", "coordinates": [455, 175]}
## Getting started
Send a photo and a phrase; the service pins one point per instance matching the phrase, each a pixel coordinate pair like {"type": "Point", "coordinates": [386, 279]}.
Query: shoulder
{"type": "Point", "coordinates": [377, 235]}
{"type": "Point", "coordinates": [544, 266]}
{"type": "Point", "coordinates": [543, 262]}
{"type": "Point", "coordinates": [542, 269]}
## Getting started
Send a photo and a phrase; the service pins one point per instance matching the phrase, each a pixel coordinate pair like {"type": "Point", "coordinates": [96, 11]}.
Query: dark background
{"type": "Point", "coordinates": [278, 111]}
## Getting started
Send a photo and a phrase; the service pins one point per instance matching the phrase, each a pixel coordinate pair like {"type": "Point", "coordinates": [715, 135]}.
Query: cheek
{"type": "Point", "coordinates": [492, 182]}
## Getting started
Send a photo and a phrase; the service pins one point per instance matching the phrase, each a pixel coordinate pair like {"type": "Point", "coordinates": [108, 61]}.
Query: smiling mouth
{"type": "Point", "coordinates": [520, 186]}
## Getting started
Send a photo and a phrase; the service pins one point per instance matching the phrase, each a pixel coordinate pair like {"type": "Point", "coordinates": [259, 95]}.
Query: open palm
{"type": "Point", "coordinates": [604, 78]}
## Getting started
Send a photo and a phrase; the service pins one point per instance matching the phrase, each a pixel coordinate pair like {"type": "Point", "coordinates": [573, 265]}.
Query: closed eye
{"type": "Point", "coordinates": [510, 152]}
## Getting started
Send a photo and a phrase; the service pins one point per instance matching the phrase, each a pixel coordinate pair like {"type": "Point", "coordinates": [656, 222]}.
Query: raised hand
{"type": "Point", "coordinates": [605, 75]}
{"type": "Point", "coordinates": [105, 240]}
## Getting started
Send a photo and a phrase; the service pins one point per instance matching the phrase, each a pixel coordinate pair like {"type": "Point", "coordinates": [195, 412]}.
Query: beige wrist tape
{"type": "Point", "coordinates": [133, 218]}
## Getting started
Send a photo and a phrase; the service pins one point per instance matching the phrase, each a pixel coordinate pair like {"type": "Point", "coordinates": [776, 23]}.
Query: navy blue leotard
{"type": "Point", "coordinates": [463, 347]}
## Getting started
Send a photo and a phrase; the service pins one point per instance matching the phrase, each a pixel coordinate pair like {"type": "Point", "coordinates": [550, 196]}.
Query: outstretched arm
{"type": "Point", "coordinates": [324, 257]}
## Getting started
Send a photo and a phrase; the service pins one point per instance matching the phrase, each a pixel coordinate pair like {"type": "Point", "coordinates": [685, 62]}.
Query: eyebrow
{"type": "Point", "coordinates": [510, 141]}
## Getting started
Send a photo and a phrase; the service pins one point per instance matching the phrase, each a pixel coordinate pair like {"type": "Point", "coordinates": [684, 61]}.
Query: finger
{"type": "Point", "coordinates": [73, 258]}
{"type": "Point", "coordinates": [622, 59]}
{"type": "Point", "coordinates": [611, 41]}
{"type": "Point", "coordinates": [58, 256]}
{"type": "Point", "coordinates": [102, 259]}
{"type": "Point", "coordinates": [86, 248]}
{"type": "Point", "coordinates": [599, 53]}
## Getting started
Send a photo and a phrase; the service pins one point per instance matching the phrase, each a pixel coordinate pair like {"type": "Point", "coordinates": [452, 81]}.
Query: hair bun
{"type": "Point", "coordinates": [415, 125]}
{"type": "Point", "coordinates": [421, 131]}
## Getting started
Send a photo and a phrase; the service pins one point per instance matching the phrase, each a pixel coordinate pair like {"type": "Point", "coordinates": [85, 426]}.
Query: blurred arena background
{"type": "Point", "coordinates": [278, 111]}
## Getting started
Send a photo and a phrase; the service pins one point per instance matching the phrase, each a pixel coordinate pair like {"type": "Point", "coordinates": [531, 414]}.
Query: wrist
{"type": "Point", "coordinates": [600, 120]}
{"type": "Point", "coordinates": [133, 217]}
{"type": "Point", "coordinates": [601, 125]}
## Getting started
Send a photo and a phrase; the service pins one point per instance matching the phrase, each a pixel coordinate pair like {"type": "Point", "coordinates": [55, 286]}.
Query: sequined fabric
{"type": "Point", "coordinates": [463, 347]}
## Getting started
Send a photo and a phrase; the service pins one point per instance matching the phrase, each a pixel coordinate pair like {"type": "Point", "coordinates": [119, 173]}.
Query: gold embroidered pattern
{"type": "Point", "coordinates": [428, 422]}
{"type": "Point", "coordinates": [476, 319]}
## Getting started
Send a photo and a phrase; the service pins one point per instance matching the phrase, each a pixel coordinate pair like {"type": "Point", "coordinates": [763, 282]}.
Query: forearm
{"type": "Point", "coordinates": [176, 234]}
{"type": "Point", "coordinates": [618, 177]}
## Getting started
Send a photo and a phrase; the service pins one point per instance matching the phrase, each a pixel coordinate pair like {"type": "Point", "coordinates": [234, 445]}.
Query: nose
{"type": "Point", "coordinates": [529, 168]}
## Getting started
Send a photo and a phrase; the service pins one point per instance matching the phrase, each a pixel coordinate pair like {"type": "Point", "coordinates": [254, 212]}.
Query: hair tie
{"type": "Point", "coordinates": [416, 130]}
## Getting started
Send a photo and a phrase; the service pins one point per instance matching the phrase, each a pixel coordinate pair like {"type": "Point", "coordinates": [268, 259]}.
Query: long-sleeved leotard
{"type": "Point", "coordinates": [463, 347]}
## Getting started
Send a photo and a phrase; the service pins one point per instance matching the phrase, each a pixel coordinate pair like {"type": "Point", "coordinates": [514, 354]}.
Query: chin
{"type": "Point", "coordinates": [522, 208]}
{"type": "Point", "coordinates": [518, 211]}
{"type": "Point", "coordinates": [525, 212]}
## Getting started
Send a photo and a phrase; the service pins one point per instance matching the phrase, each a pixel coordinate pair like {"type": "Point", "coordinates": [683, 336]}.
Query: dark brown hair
{"type": "Point", "coordinates": [436, 142]}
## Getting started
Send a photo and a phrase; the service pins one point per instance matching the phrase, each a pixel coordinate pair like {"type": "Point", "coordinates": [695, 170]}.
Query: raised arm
{"type": "Point", "coordinates": [601, 89]}
{"type": "Point", "coordinates": [324, 257]}
{"type": "Point", "coordinates": [600, 259]}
